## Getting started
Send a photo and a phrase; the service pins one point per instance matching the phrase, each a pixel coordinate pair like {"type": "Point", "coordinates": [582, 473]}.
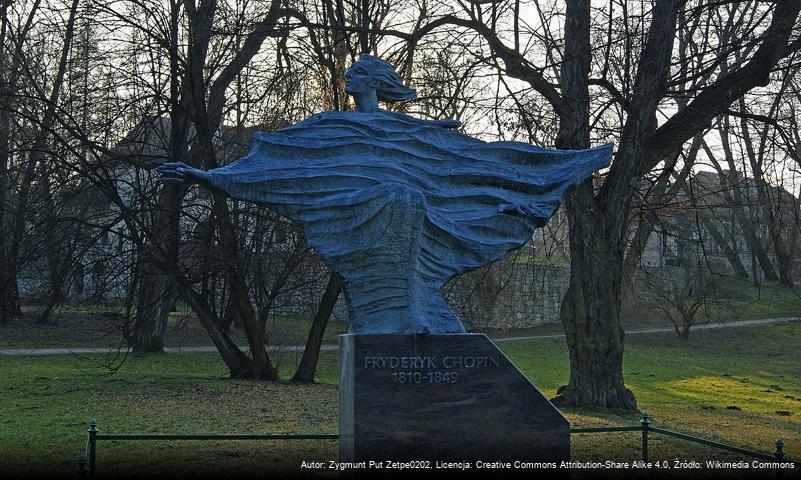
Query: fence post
{"type": "Point", "coordinates": [92, 447]}
{"type": "Point", "coordinates": [779, 454]}
{"type": "Point", "coordinates": [645, 422]}
{"type": "Point", "coordinates": [81, 471]}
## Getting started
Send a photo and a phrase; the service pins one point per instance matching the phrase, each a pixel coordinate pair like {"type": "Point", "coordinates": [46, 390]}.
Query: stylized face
{"type": "Point", "coordinates": [358, 80]}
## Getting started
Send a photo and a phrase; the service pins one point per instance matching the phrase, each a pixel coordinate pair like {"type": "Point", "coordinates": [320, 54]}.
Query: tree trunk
{"type": "Point", "coordinates": [786, 271]}
{"type": "Point", "coordinates": [784, 257]}
{"type": "Point", "coordinates": [61, 243]}
{"type": "Point", "coordinates": [230, 315]}
{"type": "Point", "coordinates": [152, 313]}
{"type": "Point", "coordinates": [684, 330]}
{"type": "Point", "coordinates": [757, 249]}
{"type": "Point", "coordinates": [130, 295]}
{"type": "Point", "coordinates": [639, 241]}
{"type": "Point", "coordinates": [56, 274]}
{"type": "Point", "coordinates": [308, 364]}
{"type": "Point", "coordinates": [157, 291]}
{"type": "Point", "coordinates": [9, 294]}
{"type": "Point", "coordinates": [55, 295]}
{"type": "Point", "coordinates": [239, 365]}
{"type": "Point", "coordinates": [733, 256]}
{"type": "Point", "coordinates": [728, 246]}
{"type": "Point", "coordinates": [591, 315]}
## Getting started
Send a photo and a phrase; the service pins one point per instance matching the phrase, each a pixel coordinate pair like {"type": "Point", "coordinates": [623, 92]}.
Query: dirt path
{"type": "Point", "coordinates": [41, 352]}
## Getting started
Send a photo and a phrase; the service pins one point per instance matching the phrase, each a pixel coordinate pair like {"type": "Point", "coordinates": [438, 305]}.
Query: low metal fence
{"type": "Point", "coordinates": [645, 429]}
{"type": "Point", "coordinates": [87, 460]}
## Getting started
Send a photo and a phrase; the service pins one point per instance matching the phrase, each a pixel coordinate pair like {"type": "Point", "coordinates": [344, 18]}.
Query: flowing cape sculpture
{"type": "Point", "coordinates": [397, 205]}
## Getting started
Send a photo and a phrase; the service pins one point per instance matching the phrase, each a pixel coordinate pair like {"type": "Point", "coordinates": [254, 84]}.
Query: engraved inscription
{"type": "Point", "coordinates": [427, 377]}
{"type": "Point", "coordinates": [400, 362]}
{"type": "Point", "coordinates": [469, 362]}
{"type": "Point", "coordinates": [428, 369]}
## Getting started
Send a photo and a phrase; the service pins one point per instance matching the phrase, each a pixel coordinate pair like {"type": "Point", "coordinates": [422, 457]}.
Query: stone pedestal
{"type": "Point", "coordinates": [441, 397]}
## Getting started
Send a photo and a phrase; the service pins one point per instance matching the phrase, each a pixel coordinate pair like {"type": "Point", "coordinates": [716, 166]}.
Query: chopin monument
{"type": "Point", "coordinates": [397, 206]}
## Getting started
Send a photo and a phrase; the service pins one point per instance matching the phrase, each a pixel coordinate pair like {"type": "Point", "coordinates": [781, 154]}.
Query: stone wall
{"type": "Point", "coordinates": [516, 292]}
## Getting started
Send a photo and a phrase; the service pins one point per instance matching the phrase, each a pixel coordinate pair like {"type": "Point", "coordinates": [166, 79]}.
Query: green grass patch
{"type": "Point", "coordinates": [286, 330]}
{"type": "Point", "coordinates": [741, 299]}
{"type": "Point", "coordinates": [723, 384]}
{"type": "Point", "coordinates": [47, 401]}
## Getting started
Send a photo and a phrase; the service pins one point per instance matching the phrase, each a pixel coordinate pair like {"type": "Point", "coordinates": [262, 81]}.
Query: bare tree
{"type": "Point", "coordinates": [643, 83]}
{"type": "Point", "coordinates": [681, 293]}
{"type": "Point", "coordinates": [35, 172]}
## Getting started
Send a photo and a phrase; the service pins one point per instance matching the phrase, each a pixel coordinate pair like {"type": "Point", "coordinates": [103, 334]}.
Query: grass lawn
{"type": "Point", "coordinates": [685, 385]}
{"type": "Point", "coordinates": [740, 386]}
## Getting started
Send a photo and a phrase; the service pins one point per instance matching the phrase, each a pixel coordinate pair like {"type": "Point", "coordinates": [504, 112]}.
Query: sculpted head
{"type": "Point", "coordinates": [371, 79]}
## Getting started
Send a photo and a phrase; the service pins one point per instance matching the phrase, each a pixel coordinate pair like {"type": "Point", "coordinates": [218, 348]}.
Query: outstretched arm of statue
{"type": "Point", "coordinates": [231, 180]}
{"type": "Point", "coordinates": [181, 173]}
